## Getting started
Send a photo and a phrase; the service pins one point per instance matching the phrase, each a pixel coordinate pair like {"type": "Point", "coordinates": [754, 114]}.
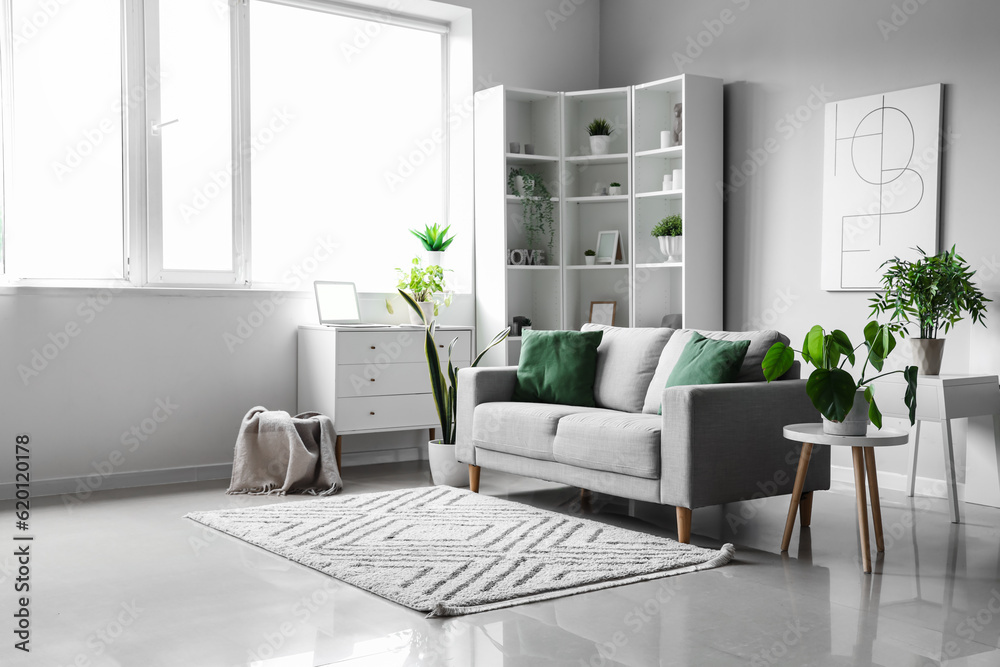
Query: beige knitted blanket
{"type": "Point", "coordinates": [278, 454]}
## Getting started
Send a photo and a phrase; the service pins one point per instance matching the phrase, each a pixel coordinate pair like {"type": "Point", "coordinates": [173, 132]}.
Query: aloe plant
{"type": "Point", "coordinates": [434, 238]}
{"type": "Point", "coordinates": [444, 386]}
{"type": "Point", "coordinates": [830, 387]}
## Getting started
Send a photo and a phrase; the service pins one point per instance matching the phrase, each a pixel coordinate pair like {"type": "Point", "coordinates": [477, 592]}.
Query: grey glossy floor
{"type": "Point", "coordinates": [122, 579]}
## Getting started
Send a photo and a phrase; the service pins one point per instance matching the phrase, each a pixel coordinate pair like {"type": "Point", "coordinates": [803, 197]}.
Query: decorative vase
{"type": "Point", "coordinates": [599, 144]}
{"type": "Point", "coordinates": [433, 257]}
{"type": "Point", "coordinates": [927, 353]}
{"type": "Point", "coordinates": [590, 259]}
{"type": "Point", "coordinates": [666, 138]}
{"type": "Point", "coordinates": [427, 307]}
{"type": "Point", "coordinates": [445, 468]}
{"type": "Point", "coordinates": [856, 422]}
{"type": "Point", "coordinates": [614, 190]}
{"type": "Point", "coordinates": [672, 247]}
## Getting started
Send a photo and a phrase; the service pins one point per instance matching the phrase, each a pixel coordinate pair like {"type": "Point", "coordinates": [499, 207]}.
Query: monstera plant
{"type": "Point", "coordinates": [831, 388]}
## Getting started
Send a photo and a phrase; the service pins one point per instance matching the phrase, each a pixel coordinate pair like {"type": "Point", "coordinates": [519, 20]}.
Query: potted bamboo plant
{"type": "Point", "coordinates": [444, 386]}
{"type": "Point", "coordinates": [933, 293]}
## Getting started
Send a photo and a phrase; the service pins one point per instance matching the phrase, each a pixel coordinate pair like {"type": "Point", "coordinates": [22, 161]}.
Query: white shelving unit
{"type": "Point", "coordinates": [643, 284]}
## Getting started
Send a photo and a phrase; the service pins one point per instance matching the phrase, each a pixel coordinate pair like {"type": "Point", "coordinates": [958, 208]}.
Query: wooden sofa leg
{"type": "Point", "coordinates": [474, 478]}
{"type": "Point", "coordinates": [805, 509]}
{"type": "Point", "coordinates": [684, 525]}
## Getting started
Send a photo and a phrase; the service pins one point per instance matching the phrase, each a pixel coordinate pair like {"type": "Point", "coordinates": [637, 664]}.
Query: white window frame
{"type": "Point", "coordinates": [142, 252]}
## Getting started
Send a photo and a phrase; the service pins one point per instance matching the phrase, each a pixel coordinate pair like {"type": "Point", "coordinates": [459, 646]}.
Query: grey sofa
{"type": "Point", "coordinates": [713, 444]}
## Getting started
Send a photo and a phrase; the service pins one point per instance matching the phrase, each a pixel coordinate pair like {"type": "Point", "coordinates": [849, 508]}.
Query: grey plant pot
{"type": "Point", "coordinates": [856, 422]}
{"type": "Point", "coordinates": [927, 354]}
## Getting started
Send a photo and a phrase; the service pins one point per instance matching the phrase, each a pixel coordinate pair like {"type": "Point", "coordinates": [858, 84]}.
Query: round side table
{"type": "Point", "coordinates": [863, 449]}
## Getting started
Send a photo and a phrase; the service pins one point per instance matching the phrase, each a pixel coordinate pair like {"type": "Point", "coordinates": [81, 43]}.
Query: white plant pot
{"type": "Point", "coordinates": [519, 185]}
{"type": "Point", "coordinates": [428, 309]}
{"type": "Point", "coordinates": [599, 144]}
{"type": "Point", "coordinates": [590, 260]}
{"type": "Point", "coordinates": [856, 422]}
{"type": "Point", "coordinates": [445, 468]}
{"type": "Point", "coordinates": [672, 247]}
{"type": "Point", "coordinates": [434, 257]}
{"type": "Point", "coordinates": [614, 190]}
{"type": "Point", "coordinates": [927, 354]}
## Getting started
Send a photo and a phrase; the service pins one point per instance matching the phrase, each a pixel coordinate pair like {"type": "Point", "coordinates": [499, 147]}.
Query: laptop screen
{"type": "Point", "coordinates": [337, 303]}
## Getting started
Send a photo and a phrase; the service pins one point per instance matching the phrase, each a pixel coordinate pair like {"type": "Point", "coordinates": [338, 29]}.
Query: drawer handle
{"type": "Point", "coordinates": [373, 379]}
{"type": "Point", "coordinates": [373, 347]}
{"type": "Point", "coordinates": [371, 413]}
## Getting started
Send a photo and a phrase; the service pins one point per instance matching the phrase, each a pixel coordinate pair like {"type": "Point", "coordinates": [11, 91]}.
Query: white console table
{"type": "Point", "coordinates": [941, 398]}
{"type": "Point", "coordinates": [374, 379]}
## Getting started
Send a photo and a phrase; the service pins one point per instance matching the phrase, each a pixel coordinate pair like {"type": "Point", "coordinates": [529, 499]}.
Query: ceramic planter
{"type": "Point", "coordinates": [927, 353]}
{"type": "Point", "coordinates": [434, 257]}
{"type": "Point", "coordinates": [614, 190]}
{"type": "Point", "coordinates": [672, 247]}
{"type": "Point", "coordinates": [856, 422]}
{"type": "Point", "coordinates": [599, 144]}
{"type": "Point", "coordinates": [445, 468]}
{"type": "Point", "coordinates": [590, 260]}
{"type": "Point", "coordinates": [428, 309]}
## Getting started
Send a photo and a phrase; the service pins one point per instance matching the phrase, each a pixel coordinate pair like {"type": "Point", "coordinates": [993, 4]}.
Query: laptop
{"type": "Point", "coordinates": [337, 304]}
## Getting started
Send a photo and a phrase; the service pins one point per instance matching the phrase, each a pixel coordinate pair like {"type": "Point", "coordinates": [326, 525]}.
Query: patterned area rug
{"type": "Point", "coordinates": [449, 551]}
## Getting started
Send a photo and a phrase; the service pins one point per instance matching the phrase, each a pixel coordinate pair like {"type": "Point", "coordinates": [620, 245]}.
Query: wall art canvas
{"type": "Point", "coordinates": [881, 176]}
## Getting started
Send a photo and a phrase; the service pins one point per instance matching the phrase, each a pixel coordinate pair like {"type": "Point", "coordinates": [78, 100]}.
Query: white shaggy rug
{"type": "Point", "coordinates": [449, 551]}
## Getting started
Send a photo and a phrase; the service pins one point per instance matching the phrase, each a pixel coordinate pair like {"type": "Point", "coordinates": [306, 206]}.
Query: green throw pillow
{"type": "Point", "coordinates": [558, 367]}
{"type": "Point", "coordinates": [708, 361]}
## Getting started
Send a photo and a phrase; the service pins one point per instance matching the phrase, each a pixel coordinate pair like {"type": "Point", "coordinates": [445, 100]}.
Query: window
{"type": "Point", "coordinates": [224, 143]}
{"type": "Point", "coordinates": [62, 209]}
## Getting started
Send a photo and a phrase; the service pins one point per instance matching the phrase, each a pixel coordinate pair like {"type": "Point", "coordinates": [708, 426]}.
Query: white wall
{"type": "Point", "coordinates": [774, 57]}
{"type": "Point", "coordinates": [142, 347]}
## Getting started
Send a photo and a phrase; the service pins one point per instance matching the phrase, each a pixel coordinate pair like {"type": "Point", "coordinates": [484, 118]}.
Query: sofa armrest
{"type": "Point", "coordinates": [475, 386]}
{"type": "Point", "coordinates": [723, 443]}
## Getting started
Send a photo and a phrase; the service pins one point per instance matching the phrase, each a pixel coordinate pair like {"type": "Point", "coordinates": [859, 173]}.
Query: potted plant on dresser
{"type": "Point", "coordinates": [445, 468]}
{"type": "Point", "coordinates": [435, 241]}
{"type": "Point", "coordinates": [600, 131]}
{"type": "Point", "coordinates": [670, 234]}
{"type": "Point", "coordinates": [425, 286]}
{"type": "Point", "coordinates": [847, 404]}
{"type": "Point", "coordinates": [933, 293]}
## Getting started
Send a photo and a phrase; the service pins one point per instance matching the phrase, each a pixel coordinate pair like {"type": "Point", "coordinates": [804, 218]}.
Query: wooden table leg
{"type": "Point", "coordinates": [805, 509]}
{"type": "Point", "coordinates": [684, 525]}
{"type": "Point", "coordinates": [911, 467]}
{"type": "Point", "coordinates": [873, 494]}
{"type": "Point", "coordinates": [859, 491]}
{"type": "Point", "coordinates": [949, 470]}
{"type": "Point", "coordinates": [793, 506]}
{"type": "Point", "coordinates": [474, 478]}
{"type": "Point", "coordinates": [336, 454]}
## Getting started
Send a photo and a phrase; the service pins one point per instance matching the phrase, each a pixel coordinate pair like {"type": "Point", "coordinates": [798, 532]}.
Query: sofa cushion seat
{"type": "Point", "coordinates": [524, 429]}
{"type": "Point", "coordinates": [613, 441]}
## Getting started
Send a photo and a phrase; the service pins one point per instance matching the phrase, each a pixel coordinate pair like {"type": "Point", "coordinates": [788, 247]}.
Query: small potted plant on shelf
{"type": "Point", "coordinates": [670, 234]}
{"type": "Point", "coordinates": [600, 131]}
{"type": "Point", "coordinates": [445, 468]}
{"type": "Point", "coordinates": [435, 241]}
{"type": "Point", "coordinates": [615, 188]}
{"type": "Point", "coordinates": [847, 405]}
{"type": "Point", "coordinates": [426, 287]}
{"type": "Point", "coordinates": [537, 208]}
{"type": "Point", "coordinates": [589, 256]}
{"type": "Point", "coordinates": [931, 292]}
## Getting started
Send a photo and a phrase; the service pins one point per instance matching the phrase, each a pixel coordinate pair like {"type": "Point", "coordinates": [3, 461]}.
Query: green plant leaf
{"type": "Point", "coordinates": [832, 392]}
{"type": "Point", "coordinates": [499, 338]}
{"type": "Point", "coordinates": [874, 414]}
{"type": "Point", "coordinates": [777, 361]}
{"type": "Point", "coordinates": [910, 397]}
{"type": "Point", "coordinates": [844, 343]}
{"type": "Point", "coordinates": [812, 346]}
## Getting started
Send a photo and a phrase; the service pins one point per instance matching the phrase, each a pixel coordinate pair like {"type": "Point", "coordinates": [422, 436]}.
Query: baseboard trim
{"type": "Point", "coordinates": [83, 487]}
{"type": "Point", "coordinates": [894, 481]}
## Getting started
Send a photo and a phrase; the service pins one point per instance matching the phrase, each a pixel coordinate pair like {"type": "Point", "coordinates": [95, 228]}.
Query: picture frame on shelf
{"type": "Point", "coordinates": [609, 247]}
{"type": "Point", "coordinates": [603, 312]}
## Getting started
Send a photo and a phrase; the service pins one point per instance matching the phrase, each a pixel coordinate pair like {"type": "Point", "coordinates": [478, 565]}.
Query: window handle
{"type": "Point", "coordinates": [155, 127]}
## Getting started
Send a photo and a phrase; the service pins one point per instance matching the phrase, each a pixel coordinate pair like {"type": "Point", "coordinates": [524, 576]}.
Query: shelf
{"type": "Point", "coordinates": [613, 158]}
{"type": "Point", "coordinates": [596, 199]}
{"type": "Point", "coordinates": [666, 153]}
{"type": "Point", "coordinates": [576, 267]}
{"type": "Point", "coordinates": [530, 267]}
{"type": "Point", "coordinates": [511, 198]}
{"type": "Point", "coordinates": [663, 194]}
{"type": "Point", "coordinates": [523, 158]}
{"type": "Point", "coordinates": [660, 265]}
